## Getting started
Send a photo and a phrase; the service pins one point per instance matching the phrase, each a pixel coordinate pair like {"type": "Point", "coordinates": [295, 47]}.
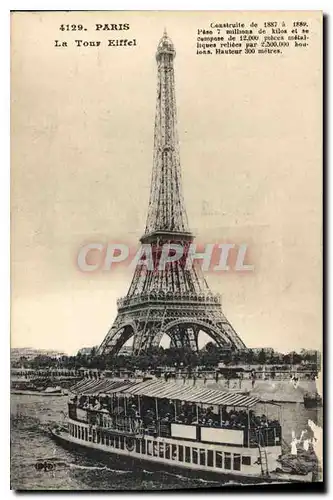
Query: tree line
{"type": "Point", "coordinates": [155, 358]}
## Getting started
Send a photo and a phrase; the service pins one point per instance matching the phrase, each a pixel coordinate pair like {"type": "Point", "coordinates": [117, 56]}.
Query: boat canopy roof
{"type": "Point", "coordinates": [102, 386]}
{"type": "Point", "coordinates": [162, 389]}
{"type": "Point", "coordinates": [191, 394]}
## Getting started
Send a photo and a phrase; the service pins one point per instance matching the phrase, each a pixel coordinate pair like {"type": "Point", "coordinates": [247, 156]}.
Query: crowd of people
{"type": "Point", "coordinates": [151, 413]}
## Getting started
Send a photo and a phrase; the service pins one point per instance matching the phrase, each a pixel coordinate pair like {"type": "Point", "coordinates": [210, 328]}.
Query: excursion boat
{"type": "Point", "coordinates": [169, 424]}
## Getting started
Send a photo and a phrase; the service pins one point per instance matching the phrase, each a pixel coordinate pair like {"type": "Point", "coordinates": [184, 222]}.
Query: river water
{"type": "Point", "coordinates": [31, 417]}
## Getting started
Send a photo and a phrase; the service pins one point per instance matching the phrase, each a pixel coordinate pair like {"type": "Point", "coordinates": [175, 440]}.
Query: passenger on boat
{"type": "Point", "coordinates": [170, 412]}
{"type": "Point", "coordinates": [97, 406]}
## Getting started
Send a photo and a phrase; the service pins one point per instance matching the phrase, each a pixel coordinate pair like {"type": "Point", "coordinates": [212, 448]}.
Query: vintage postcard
{"type": "Point", "coordinates": [166, 249]}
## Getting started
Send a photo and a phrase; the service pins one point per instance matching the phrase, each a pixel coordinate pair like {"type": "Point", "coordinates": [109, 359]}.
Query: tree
{"type": "Point", "coordinates": [211, 347]}
{"type": "Point", "coordinates": [42, 361]}
{"type": "Point", "coordinates": [227, 357]}
{"type": "Point", "coordinates": [249, 357]}
{"type": "Point", "coordinates": [23, 361]}
{"type": "Point", "coordinates": [262, 357]}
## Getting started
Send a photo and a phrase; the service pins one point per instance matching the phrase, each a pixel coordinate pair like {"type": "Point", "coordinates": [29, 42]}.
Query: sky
{"type": "Point", "coordinates": [82, 124]}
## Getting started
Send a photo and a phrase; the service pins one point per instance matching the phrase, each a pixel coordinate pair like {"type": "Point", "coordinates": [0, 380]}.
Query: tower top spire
{"type": "Point", "coordinates": [166, 210]}
{"type": "Point", "coordinates": [165, 46]}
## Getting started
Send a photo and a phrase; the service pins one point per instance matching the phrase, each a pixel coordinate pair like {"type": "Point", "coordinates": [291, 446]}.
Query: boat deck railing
{"type": "Point", "coordinates": [269, 436]}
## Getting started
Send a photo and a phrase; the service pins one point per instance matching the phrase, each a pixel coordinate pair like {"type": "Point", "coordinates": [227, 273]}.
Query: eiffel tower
{"type": "Point", "coordinates": [175, 301]}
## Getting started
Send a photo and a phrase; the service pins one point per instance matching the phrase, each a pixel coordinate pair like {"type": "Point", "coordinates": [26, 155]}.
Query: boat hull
{"type": "Point", "coordinates": [66, 441]}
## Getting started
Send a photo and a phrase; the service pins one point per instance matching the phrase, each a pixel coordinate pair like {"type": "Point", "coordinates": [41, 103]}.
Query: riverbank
{"type": "Point", "coordinates": [278, 391]}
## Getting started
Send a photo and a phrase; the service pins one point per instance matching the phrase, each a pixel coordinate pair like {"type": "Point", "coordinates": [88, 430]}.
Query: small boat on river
{"type": "Point", "coordinates": [33, 390]}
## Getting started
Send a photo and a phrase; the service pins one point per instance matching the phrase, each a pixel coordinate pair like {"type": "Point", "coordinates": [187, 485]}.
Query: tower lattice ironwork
{"type": "Point", "coordinates": [177, 300]}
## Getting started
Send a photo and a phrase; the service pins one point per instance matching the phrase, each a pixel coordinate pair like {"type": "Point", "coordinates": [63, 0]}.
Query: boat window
{"type": "Point", "coordinates": [161, 450]}
{"type": "Point", "coordinates": [107, 440]}
{"type": "Point", "coordinates": [165, 430]}
{"type": "Point", "coordinates": [102, 436]}
{"type": "Point", "coordinates": [219, 459]}
{"type": "Point", "coordinates": [246, 460]}
{"type": "Point", "coordinates": [180, 453]}
{"type": "Point", "coordinates": [174, 452]}
{"type": "Point", "coordinates": [187, 454]}
{"type": "Point", "coordinates": [143, 448]}
{"type": "Point", "coordinates": [167, 451]}
{"type": "Point", "coordinates": [116, 442]}
{"type": "Point", "coordinates": [121, 442]}
{"type": "Point", "coordinates": [112, 441]}
{"type": "Point", "coordinates": [149, 447]}
{"type": "Point", "coordinates": [72, 411]}
{"type": "Point", "coordinates": [237, 461]}
{"type": "Point", "coordinates": [98, 437]}
{"type": "Point", "coordinates": [227, 460]}
{"type": "Point", "coordinates": [94, 435]}
{"type": "Point", "coordinates": [210, 458]}
{"type": "Point", "coordinates": [137, 445]}
{"type": "Point", "coordinates": [155, 449]}
{"type": "Point", "coordinates": [202, 457]}
{"type": "Point", "coordinates": [86, 434]}
{"type": "Point", "coordinates": [195, 455]}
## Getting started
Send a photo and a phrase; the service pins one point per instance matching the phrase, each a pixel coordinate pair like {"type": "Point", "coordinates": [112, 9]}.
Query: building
{"type": "Point", "coordinates": [86, 351]}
